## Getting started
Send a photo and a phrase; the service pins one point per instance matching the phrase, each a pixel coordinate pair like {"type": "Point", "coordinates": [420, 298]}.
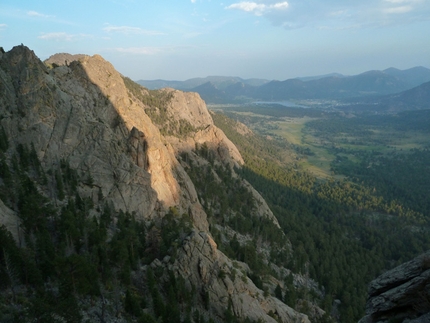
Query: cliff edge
{"type": "Point", "coordinates": [401, 294]}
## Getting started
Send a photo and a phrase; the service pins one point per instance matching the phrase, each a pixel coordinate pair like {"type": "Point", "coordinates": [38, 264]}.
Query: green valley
{"type": "Point", "coordinates": [353, 198]}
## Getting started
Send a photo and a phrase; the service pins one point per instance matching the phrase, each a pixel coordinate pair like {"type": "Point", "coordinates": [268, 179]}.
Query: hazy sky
{"type": "Point", "coordinates": [181, 39]}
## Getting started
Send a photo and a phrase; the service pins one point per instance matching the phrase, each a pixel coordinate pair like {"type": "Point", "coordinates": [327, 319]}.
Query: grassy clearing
{"type": "Point", "coordinates": [319, 164]}
{"type": "Point", "coordinates": [291, 130]}
{"type": "Point", "coordinates": [324, 148]}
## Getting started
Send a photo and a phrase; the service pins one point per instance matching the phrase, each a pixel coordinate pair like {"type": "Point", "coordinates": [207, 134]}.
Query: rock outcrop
{"type": "Point", "coordinates": [401, 294]}
{"type": "Point", "coordinates": [188, 107]}
{"type": "Point", "coordinates": [224, 282]}
{"type": "Point", "coordinates": [10, 220]}
{"type": "Point", "coordinates": [82, 113]}
{"type": "Point", "coordinates": [79, 110]}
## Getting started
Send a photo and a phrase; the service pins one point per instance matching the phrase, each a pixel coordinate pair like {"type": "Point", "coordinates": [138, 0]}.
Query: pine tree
{"type": "Point", "coordinates": [11, 272]}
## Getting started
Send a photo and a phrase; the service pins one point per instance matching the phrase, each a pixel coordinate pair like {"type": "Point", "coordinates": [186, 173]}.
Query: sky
{"type": "Point", "coordinates": [182, 39]}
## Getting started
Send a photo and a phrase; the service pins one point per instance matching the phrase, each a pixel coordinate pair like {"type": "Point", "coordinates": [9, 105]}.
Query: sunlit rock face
{"type": "Point", "coordinates": [77, 108]}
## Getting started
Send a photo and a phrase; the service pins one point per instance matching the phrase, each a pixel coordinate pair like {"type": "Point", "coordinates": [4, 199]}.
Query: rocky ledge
{"type": "Point", "coordinates": [401, 295]}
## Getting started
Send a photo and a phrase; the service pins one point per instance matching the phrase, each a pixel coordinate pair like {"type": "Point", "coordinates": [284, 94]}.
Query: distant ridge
{"type": "Point", "coordinates": [317, 77]}
{"type": "Point", "coordinates": [223, 89]}
{"type": "Point", "coordinates": [210, 92]}
{"type": "Point", "coordinates": [415, 75]}
{"type": "Point", "coordinates": [220, 82]}
{"type": "Point", "coordinates": [417, 98]}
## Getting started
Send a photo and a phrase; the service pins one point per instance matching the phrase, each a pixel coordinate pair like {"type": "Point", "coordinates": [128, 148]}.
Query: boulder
{"type": "Point", "coordinates": [401, 294]}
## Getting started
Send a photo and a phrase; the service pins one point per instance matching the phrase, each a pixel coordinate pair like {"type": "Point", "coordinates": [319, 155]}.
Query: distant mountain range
{"type": "Point", "coordinates": [220, 89]}
{"type": "Point", "coordinates": [220, 82]}
{"type": "Point", "coordinates": [413, 99]}
{"type": "Point", "coordinates": [317, 77]}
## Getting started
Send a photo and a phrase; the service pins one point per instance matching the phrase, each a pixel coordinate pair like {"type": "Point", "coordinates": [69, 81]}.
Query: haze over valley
{"type": "Point", "coordinates": [219, 89]}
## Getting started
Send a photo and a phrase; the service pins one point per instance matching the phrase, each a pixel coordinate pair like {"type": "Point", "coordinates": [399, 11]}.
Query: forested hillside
{"type": "Point", "coordinates": [343, 233]}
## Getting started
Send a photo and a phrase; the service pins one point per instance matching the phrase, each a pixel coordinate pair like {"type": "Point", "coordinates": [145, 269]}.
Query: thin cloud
{"type": "Point", "coordinates": [38, 14]}
{"type": "Point", "coordinates": [247, 6]}
{"type": "Point", "coordinates": [398, 10]}
{"type": "Point", "coordinates": [403, 1]}
{"type": "Point", "coordinates": [258, 8]}
{"type": "Point", "coordinates": [336, 14]}
{"type": "Point", "coordinates": [401, 6]}
{"type": "Point", "coordinates": [127, 30]}
{"type": "Point", "coordinates": [279, 6]}
{"type": "Point", "coordinates": [61, 36]}
{"type": "Point", "coordinates": [3, 26]}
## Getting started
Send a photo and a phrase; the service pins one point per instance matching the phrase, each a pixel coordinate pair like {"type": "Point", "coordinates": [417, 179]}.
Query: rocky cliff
{"type": "Point", "coordinates": [401, 294]}
{"type": "Point", "coordinates": [84, 139]}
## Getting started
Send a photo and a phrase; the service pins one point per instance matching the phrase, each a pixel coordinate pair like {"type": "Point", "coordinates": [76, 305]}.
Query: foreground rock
{"type": "Point", "coordinates": [401, 294]}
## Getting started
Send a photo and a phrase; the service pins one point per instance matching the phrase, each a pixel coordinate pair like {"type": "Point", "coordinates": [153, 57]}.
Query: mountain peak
{"type": "Point", "coordinates": [63, 58]}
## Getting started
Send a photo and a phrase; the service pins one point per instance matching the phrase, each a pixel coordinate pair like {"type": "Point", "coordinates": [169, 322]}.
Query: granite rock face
{"type": "Point", "coordinates": [222, 280]}
{"type": "Point", "coordinates": [78, 109]}
{"type": "Point", "coordinates": [401, 294]}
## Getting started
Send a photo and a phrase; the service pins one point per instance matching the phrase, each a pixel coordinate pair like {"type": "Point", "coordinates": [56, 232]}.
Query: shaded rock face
{"type": "Point", "coordinates": [138, 148]}
{"type": "Point", "coordinates": [66, 116]}
{"type": "Point", "coordinates": [401, 294]}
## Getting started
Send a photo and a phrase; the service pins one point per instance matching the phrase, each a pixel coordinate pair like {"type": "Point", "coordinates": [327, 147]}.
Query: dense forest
{"type": "Point", "coordinates": [244, 234]}
{"type": "Point", "coordinates": [69, 258]}
{"type": "Point", "coordinates": [402, 177]}
{"type": "Point", "coordinates": [368, 129]}
{"type": "Point", "coordinates": [343, 233]}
